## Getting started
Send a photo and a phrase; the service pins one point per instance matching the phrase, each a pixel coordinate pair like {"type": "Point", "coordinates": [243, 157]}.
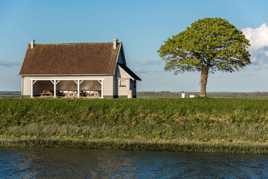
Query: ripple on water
{"type": "Point", "coordinates": [70, 163]}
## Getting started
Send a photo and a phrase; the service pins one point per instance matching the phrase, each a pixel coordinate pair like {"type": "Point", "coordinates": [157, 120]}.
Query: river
{"type": "Point", "coordinates": [73, 163]}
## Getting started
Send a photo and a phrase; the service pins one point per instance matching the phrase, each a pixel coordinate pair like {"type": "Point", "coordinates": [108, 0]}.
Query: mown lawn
{"type": "Point", "coordinates": [178, 121]}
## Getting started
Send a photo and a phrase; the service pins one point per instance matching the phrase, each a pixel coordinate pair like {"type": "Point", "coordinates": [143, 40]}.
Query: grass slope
{"type": "Point", "coordinates": [234, 125]}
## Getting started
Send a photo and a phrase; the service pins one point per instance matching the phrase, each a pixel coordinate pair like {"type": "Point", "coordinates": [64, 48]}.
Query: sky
{"type": "Point", "coordinates": [142, 26]}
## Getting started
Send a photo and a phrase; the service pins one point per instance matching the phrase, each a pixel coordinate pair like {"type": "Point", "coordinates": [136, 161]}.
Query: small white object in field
{"type": "Point", "coordinates": [191, 96]}
{"type": "Point", "coordinates": [183, 95]}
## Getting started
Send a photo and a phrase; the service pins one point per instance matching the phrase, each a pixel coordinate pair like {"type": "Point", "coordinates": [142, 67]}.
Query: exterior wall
{"type": "Point", "coordinates": [124, 90]}
{"type": "Point", "coordinates": [129, 89]}
{"type": "Point", "coordinates": [26, 86]}
{"type": "Point", "coordinates": [108, 86]}
{"type": "Point", "coordinates": [108, 82]}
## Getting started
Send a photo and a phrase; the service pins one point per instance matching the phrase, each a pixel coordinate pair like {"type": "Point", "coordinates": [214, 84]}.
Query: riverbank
{"type": "Point", "coordinates": [203, 125]}
{"type": "Point", "coordinates": [131, 145]}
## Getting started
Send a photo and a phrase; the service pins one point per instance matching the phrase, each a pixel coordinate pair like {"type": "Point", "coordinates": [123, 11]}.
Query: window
{"type": "Point", "coordinates": [123, 82]}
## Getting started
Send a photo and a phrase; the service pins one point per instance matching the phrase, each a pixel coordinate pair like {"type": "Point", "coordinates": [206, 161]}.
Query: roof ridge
{"type": "Point", "coordinates": [76, 43]}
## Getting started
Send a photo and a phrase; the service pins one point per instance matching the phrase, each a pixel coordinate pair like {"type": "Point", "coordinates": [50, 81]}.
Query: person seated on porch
{"type": "Point", "coordinates": [46, 92]}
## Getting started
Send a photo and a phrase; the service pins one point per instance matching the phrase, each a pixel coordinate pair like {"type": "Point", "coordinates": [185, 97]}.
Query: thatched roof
{"type": "Point", "coordinates": [71, 59]}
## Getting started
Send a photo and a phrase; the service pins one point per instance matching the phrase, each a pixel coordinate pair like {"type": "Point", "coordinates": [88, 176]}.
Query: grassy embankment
{"type": "Point", "coordinates": [223, 125]}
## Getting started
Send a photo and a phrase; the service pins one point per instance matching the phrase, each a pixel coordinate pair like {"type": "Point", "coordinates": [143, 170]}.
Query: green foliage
{"type": "Point", "coordinates": [209, 42]}
{"type": "Point", "coordinates": [211, 121]}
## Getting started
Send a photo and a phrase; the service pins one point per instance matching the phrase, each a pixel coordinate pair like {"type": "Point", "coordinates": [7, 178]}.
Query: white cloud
{"type": "Point", "coordinates": [258, 38]}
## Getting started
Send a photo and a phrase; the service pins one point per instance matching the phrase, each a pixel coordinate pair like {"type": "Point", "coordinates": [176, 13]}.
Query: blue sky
{"type": "Point", "coordinates": [142, 26]}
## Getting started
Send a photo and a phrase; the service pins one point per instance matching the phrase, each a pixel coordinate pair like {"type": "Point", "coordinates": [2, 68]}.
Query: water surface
{"type": "Point", "coordinates": [70, 163]}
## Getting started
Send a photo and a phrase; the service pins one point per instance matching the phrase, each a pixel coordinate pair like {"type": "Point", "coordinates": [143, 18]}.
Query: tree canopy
{"type": "Point", "coordinates": [208, 45]}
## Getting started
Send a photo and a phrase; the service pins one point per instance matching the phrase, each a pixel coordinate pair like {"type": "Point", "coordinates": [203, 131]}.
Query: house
{"type": "Point", "coordinates": [96, 70]}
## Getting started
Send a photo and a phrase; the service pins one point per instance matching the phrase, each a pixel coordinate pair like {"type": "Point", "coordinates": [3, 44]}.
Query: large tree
{"type": "Point", "coordinates": [208, 45]}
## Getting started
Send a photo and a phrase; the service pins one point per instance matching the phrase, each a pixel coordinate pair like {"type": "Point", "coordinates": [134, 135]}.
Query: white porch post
{"type": "Point", "coordinates": [31, 88]}
{"type": "Point", "coordinates": [78, 88]}
{"type": "Point", "coordinates": [55, 88]}
{"type": "Point", "coordinates": [102, 88]}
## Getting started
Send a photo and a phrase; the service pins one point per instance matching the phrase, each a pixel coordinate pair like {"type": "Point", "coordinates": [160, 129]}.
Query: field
{"type": "Point", "coordinates": [230, 125]}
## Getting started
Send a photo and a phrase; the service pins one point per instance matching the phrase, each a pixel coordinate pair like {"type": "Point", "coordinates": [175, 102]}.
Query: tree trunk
{"type": "Point", "coordinates": [203, 81]}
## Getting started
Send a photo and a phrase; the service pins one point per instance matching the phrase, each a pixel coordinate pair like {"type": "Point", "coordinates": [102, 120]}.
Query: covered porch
{"type": "Point", "coordinates": [87, 88]}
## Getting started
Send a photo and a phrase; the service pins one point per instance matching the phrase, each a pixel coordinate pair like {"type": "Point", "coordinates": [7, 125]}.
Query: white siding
{"type": "Point", "coordinates": [127, 89]}
{"type": "Point", "coordinates": [26, 86]}
{"type": "Point", "coordinates": [108, 86]}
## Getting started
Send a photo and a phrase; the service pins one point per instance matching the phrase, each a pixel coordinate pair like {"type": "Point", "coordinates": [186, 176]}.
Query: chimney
{"type": "Point", "coordinates": [115, 42]}
{"type": "Point", "coordinates": [32, 44]}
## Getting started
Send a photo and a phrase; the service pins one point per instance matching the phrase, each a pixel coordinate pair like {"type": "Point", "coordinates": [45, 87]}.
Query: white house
{"type": "Point", "coordinates": [77, 70]}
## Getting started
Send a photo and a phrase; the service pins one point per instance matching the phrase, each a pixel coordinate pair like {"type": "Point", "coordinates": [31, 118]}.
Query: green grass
{"type": "Point", "coordinates": [187, 125]}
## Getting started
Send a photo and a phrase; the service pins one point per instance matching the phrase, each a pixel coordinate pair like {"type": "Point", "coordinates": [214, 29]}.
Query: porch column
{"type": "Point", "coordinates": [102, 88]}
{"type": "Point", "coordinates": [55, 88]}
{"type": "Point", "coordinates": [78, 88]}
{"type": "Point", "coordinates": [31, 88]}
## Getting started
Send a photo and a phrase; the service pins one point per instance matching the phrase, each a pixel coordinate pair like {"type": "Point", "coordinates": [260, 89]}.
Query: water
{"type": "Point", "coordinates": [70, 163]}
